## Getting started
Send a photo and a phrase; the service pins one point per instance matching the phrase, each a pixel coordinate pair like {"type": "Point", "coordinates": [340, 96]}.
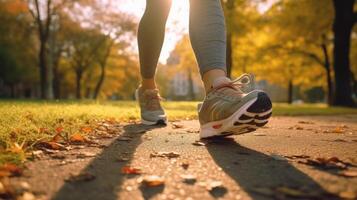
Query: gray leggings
{"type": "Point", "coordinates": [207, 34]}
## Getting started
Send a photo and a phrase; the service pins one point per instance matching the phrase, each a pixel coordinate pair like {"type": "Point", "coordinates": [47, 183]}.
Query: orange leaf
{"type": "Point", "coordinates": [153, 181]}
{"type": "Point", "coordinates": [130, 170]}
{"type": "Point", "coordinates": [58, 137]}
{"type": "Point", "coordinates": [77, 138]}
{"type": "Point", "coordinates": [51, 145]}
{"type": "Point", "coordinates": [86, 129]}
{"type": "Point", "coordinates": [59, 129]}
{"type": "Point", "coordinates": [9, 169]}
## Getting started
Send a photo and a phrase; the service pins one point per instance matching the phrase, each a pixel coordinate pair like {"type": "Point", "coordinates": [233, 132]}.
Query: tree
{"type": "Point", "coordinates": [345, 18]}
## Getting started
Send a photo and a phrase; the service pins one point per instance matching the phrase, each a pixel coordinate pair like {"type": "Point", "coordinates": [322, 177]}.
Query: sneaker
{"type": "Point", "coordinates": [150, 108]}
{"type": "Point", "coordinates": [233, 107]}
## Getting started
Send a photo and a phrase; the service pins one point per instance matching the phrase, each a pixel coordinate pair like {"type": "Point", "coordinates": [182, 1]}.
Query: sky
{"type": "Point", "coordinates": [177, 24]}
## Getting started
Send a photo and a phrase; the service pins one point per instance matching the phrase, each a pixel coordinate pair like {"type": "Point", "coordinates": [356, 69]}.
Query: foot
{"type": "Point", "coordinates": [150, 108]}
{"type": "Point", "coordinates": [233, 107]}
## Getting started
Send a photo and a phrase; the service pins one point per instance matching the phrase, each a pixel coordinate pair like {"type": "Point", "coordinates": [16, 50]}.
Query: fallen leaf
{"type": "Point", "coordinates": [259, 134]}
{"type": "Point", "coordinates": [51, 145]}
{"type": "Point", "coordinates": [77, 138]}
{"type": "Point", "coordinates": [152, 181]}
{"type": "Point", "coordinates": [9, 169]}
{"type": "Point", "coordinates": [165, 154]}
{"type": "Point", "coordinates": [176, 126]}
{"type": "Point", "coordinates": [57, 138]}
{"type": "Point", "coordinates": [348, 173]}
{"type": "Point", "coordinates": [185, 165]}
{"type": "Point", "coordinates": [306, 122]}
{"type": "Point", "coordinates": [326, 163]}
{"type": "Point", "coordinates": [131, 170]}
{"type": "Point", "coordinates": [86, 129]}
{"type": "Point", "coordinates": [189, 178]}
{"type": "Point", "coordinates": [59, 129]}
{"type": "Point", "coordinates": [84, 176]}
{"type": "Point", "coordinates": [198, 143]}
{"type": "Point", "coordinates": [348, 195]}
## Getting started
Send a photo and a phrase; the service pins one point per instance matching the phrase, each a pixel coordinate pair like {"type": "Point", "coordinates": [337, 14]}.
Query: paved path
{"type": "Point", "coordinates": [282, 161]}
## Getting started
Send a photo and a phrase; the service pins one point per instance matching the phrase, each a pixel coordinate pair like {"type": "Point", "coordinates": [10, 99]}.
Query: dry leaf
{"type": "Point", "coordinates": [185, 165]}
{"type": "Point", "coordinates": [198, 143]}
{"type": "Point", "coordinates": [176, 126]}
{"type": "Point", "coordinates": [77, 138]}
{"type": "Point", "coordinates": [57, 138]}
{"type": "Point", "coordinates": [165, 154]}
{"type": "Point", "coordinates": [305, 122]}
{"type": "Point", "coordinates": [152, 181]}
{"type": "Point", "coordinates": [131, 170]}
{"type": "Point", "coordinates": [59, 129]}
{"type": "Point", "coordinates": [348, 173]}
{"type": "Point", "coordinates": [51, 145]}
{"type": "Point", "coordinates": [259, 134]}
{"type": "Point", "coordinates": [86, 129]}
{"type": "Point", "coordinates": [189, 178]}
{"type": "Point", "coordinates": [84, 176]}
{"type": "Point", "coordinates": [9, 169]}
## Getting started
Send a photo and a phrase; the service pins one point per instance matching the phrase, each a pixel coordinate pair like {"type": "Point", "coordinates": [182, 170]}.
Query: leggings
{"type": "Point", "coordinates": [207, 35]}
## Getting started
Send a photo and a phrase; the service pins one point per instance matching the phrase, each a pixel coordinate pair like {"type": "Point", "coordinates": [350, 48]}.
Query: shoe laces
{"type": "Point", "coordinates": [152, 99]}
{"type": "Point", "coordinates": [244, 80]}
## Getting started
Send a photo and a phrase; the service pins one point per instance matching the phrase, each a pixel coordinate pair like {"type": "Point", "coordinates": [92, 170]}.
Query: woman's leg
{"type": "Point", "coordinates": [230, 107]}
{"type": "Point", "coordinates": [151, 35]}
{"type": "Point", "coordinates": [208, 39]}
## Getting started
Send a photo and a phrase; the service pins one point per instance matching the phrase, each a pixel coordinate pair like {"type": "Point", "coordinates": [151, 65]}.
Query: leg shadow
{"type": "Point", "coordinates": [253, 170]}
{"type": "Point", "coordinates": [106, 169]}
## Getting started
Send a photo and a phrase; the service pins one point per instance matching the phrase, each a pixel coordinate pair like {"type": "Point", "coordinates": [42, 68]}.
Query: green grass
{"type": "Point", "coordinates": [29, 121]}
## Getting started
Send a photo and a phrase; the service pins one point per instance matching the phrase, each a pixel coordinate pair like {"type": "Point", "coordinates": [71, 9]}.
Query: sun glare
{"type": "Point", "coordinates": [177, 24]}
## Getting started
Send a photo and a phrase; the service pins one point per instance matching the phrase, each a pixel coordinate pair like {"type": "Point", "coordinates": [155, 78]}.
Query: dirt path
{"type": "Point", "coordinates": [290, 159]}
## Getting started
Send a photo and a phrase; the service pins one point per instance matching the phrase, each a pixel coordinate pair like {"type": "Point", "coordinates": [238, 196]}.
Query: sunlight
{"type": "Point", "coordinates": [177, 24]}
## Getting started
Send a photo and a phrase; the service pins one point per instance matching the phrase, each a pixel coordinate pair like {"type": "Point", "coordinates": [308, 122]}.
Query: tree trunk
{"type": "Point", "coordinates": [79, 74]}
{"type": "Point", "coordinates": [328, 74]}
{"type": "Point", "coordinates": [100, 82]}
{"type": "Point", "coordinates": [290, 92]}
{"type": "Point", "coordinates": [190, 85]}
{"type": "Point", "coordinates": [43, 70]}
{"type": "Point", "coordinates": [343, 23]}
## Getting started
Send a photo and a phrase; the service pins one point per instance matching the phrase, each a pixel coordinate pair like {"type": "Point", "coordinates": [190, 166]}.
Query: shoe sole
{"type": "Point", "coordinates": [158, 122]}
{"type": "Point", "coordinates": [253, 115]}
{"type": "Point", "coordinates": [150, 123]}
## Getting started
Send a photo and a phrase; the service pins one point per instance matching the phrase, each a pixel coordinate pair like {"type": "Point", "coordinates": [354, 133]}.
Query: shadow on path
{"type": "Point", "coordinates": [253, 170]}
{"type": "Point", "coordinates": [106, 169]}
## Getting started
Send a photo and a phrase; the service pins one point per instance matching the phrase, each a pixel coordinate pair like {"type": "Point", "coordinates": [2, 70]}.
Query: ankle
{"type": "Point", "coordinates": [209, 77]}
{"type": "Point", "coordinates": [148, 84]}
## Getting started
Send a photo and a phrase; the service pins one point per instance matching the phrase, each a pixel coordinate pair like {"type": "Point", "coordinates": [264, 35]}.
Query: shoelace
{"type": "Point", "coordinates": [152, 100]}
{"type": "Point", "coordinates": [236, 84]}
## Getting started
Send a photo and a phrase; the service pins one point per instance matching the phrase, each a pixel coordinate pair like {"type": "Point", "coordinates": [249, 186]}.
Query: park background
{"type": "Point", "coordinates": [300, 51]}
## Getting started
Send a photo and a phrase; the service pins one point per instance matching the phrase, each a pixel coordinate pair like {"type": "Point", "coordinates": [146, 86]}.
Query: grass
{"type": "Point", "coordinates": [29, 121]}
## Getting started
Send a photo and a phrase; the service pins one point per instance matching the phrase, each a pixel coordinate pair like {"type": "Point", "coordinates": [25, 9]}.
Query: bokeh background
{"type": "Point", "coordinates": [299, 50]}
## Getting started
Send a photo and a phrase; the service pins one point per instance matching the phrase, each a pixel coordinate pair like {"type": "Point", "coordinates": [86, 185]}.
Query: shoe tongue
{"type": "Point", "coordinates": [221, 80]}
